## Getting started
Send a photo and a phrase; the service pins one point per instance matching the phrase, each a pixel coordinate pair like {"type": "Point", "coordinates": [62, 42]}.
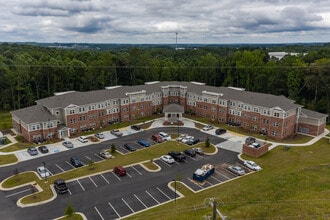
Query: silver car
{"type": "Point", "coordinates": [116, 132]}
{"type": "Point", "coordinates": [237, 170]}
{"type": "Point", "coordinates": [67, 144]}
{"type": "Point", "coordinates": [43, 172]}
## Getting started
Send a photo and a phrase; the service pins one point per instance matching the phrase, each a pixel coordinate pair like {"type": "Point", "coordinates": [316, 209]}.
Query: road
{"type": "Point", "coordinates": [107, 196]}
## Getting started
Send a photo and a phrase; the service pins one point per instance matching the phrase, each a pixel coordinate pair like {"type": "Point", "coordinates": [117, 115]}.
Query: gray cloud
{"type": "Point", "coordinates": [156, 21]}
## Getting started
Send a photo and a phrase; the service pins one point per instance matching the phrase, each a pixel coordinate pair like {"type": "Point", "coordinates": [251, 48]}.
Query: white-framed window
{"type": "Point", "coordinates": [72, 120]}
{"type": "Point", "coordinates": [115, 102]}
{"type": "Point", "coordinates": [115, 110]}
{"type": "Point", "coordinates": [276, 114]}
{"type": "Point", "coordinates": [274, 133]}
{"type": "Point", "coordinates": [276, 124]}
{"type": "Point", "coordinates": [255, 118]}
{"type": "Point", "coordinates": [71, 111]}
{"type": "Point", "coordinates": [81, 109]}
{"type": "Point", "coordinates": [239, 113]}
{"type": "Point", "coordinates": [255, 109]}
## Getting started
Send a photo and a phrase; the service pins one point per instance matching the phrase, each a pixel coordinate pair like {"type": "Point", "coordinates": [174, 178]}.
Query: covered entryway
{"type": "Point", "coordinates": [173, 112]}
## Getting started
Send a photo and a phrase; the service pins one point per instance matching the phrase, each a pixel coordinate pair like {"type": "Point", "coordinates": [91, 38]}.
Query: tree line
{"type": "Point", "coordinates": [31, 72]}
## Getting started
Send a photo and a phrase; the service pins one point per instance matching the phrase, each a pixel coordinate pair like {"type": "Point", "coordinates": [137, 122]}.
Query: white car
{"type": "Point", "coordinates": [116, 132]}
{"type": "Point", "coordinates": [165, 136]}
{"type": "Point", "coordinates": [181, 137]}
{"type": "Point", "coordinates": [99, 135]}
{"type": "Point", "coordinates": [167, 159]}
{"type": "Point", "coordinates": [207, 127]}
{"type": "Point", "coordinates": [187, 139]}
{"type": "Point", "coordinates": [83, 139]}
{"type": "Point", "coordinates": [252, 165]}
{"type": "Point", "coordinates": [43, 172]}
{"type": "Point", "coordinates": [105, 154]}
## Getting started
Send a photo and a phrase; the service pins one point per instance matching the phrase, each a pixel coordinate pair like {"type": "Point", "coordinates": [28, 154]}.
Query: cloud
{"type": "Point", "coordinates": [156, 21]}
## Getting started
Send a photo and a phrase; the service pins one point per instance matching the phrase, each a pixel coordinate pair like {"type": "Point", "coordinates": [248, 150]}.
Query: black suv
{"type": "Point", "coordinates": [190, 152]}
{"type": "Point", "coordinates": [76, 162]}
{"type": "Point", "coordinates": [60, 186]}
{"type": "Point", "coordinates": [193, 141]}
{"type": "Point", "coordinates": [136, 127]}
{"type": "Point", "coordinates": [177, 155]}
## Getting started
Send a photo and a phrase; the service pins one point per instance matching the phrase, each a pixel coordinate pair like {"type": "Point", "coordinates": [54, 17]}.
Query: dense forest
{"type": "Point", "coordinates": [30, 72]}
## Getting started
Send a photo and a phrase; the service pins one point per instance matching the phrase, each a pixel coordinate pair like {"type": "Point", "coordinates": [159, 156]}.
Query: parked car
{"type": "Point", "coordinates": [105, 154]}
{"type": "Point", "coordinates": [207, 127]}
{"type": "Point", "coordinates": [186, 139]}
{"type": "Point", "coordinates": [157, 138]}
{"type": "Point", "coordinates": [83, 139]}
{"type": "Point", "coordinates": [67, 144]}
{"type": "Point", "coordinates": [136, 127]}
{"type": "Point", "coordinates": [43, 172]}
{"type": "Point", "coordinates": [252, 165]}
{"type": "Point", "coordinates": [116, 132]}
{"type": "Point", "coordinates": [144, 143]}
{"type": "Point", "coordinates": [190, 152]}
{"type": "Point", "coordinates": [130, 147]}
{"type": "Point", "coordinates": [119, 170]}
{"type": "Point", "coordinates": [193, 141]}
{"type": "Point", "coordinates": [32, 151]}
{"type": "Point", "coordinates": [60, 186]}
{"type": "Point", "coordinates": [237, 170]}
{"type": "Point", "coordinates": [43, 149]}
{"type": "Point", "coordinates": [99, 135]}
{"type": "Point", "coordinates": [181, 137]}
{"type": "Point", "coordinates": [167, 158]}
{"type": "Point", "coordinates": [76, 162]}
{"type": "Point", "coordinates": [178, 156]}
{"type": "Point", "coordinates": [220, 131]}
{"type": "Point", "coordinates": [165, 136]}
{"type": "Point", "coordinates": [198, 150]}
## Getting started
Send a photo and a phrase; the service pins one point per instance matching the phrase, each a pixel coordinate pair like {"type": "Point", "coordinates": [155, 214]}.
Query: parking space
{"type": "Point", "coordinates": [20, 192]}
{"type": "Point", "coordinates": [220, 175]}
{"type": "Point", "coordinates": [131, 203]}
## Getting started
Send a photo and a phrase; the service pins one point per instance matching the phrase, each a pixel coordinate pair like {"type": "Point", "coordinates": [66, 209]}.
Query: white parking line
{"type": "Point", "coordinates": [70, 164]}
{"type": "Point", "coordinates": [92, 181]}
{"type": "Point", "coordinates": [81, 185]}
{"type": "Point", "coordinates": [105, 179]}
{"type": "Point", "coordinates": [136, 170]}
{"type": "Point", "coordinates": [195, 183]}
{"type": "Point", "coordinates": [163, 193]}
{"type": "Point", "coordinates": [128, 175]}
{"type": "Point", "coordinates": [222, 175]}
{"type": "Point", "coordinates": [98, 156]}
{"type": "Point", "coordinates": [69, 192]}
{"type": "Point", "coordinates": [127, 205]}
{"type": "Point", "coordinates": [98, 213]}
{"type": "Point", "coordinates": [216, 179]}
{"type": "Point", "coordinates": [16, 193]}
{"type": "Point", "coordinates": [59, 167]}
{"type": "Point", "coordinates": [114, 209]}
{"type": "Point", "coordinates": [152, 197]}
{"type": "Point", "coordinates": [90, 159]}
{"type": "Point", "coordinates": [140, 201]}
{"type": "Point", "coordinates": [116, 176]}
{"type": "Point", "coordinates": [165, 163]}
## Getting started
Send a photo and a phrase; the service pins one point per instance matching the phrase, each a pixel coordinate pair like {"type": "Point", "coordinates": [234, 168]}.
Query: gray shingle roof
{"type": "Point", "coordinates": [312, 114]}
{"type": "Point", "coordinates": [253, 98]}
{"type": "Point", "coordinates": [34, 114]}
{"type": "Point", "coordinates": [173, 108]}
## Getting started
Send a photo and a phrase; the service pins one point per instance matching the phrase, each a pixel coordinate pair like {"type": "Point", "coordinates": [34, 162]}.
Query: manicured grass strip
{"type": "Point", "coordinates": [16, 147]}
{"type": "Point", "coordinates": [8, 159]}
{"type": "Point", "coordinates": [5, 120]}
{"type": "Point", "coordinates": [20, 179]}
{"type": "Point", "coordinates": [293, 184]}
{"type": "Point", "coordinates": [73, 217]}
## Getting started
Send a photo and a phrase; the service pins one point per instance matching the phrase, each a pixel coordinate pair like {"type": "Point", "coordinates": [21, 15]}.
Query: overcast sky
{"type": "Point", "coordinates": [158, 21]}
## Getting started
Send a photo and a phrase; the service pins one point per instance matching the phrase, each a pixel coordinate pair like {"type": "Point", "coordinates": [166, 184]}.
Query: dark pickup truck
{"type": "Point", "coordinates": [60, 186]}
{"type": "Point", "coordinates": [177, 155]}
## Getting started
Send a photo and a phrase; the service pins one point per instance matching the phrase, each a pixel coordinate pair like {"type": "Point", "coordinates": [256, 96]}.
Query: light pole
{"type": "Point", "coordinates": [44, 163]}
{"type": "Point", "coordinates": [174, 190]}
{"type": "Point", "coordinates": [178, 128]}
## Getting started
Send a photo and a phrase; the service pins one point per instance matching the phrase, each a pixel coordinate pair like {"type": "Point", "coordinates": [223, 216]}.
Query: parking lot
{"type": "Point", "coordinates": [116, 207]}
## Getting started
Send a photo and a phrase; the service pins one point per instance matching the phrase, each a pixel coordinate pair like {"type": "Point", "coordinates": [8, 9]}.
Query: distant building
{"type": "Point", "coordinates": [280, 55]}
{"type": "Point", "coordinates": [68, 113]}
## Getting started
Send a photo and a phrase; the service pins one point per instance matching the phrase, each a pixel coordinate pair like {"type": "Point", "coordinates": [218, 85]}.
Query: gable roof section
{"type": "Point", "coordinates": [33, 114]}
{"type": "Point", "coordinates": [173, 108]}
{"type": "Point", "coordinates": [312, 114]}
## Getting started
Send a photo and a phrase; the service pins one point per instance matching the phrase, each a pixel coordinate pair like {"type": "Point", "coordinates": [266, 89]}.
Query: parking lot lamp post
{"type": "Point", "coordinates": [44, 163]}
{"type": "Point", "coordinates": [174, 190]}
{"type": "Point", "coordinates": [178, 127]}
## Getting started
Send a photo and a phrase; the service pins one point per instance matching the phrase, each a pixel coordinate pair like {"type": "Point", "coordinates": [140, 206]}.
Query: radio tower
{"type": "Point", "coordinates": [176, 40]}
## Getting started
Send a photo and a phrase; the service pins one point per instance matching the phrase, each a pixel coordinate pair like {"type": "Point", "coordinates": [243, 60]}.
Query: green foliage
{"type": "Point", "coordinates": [30, 72]}
{"type": "Point", "coordinates": [113, 148]}
{"type": "Point", "coordinates": [207, 142]}
{"type": "Point", "coordinates": [69, 211]}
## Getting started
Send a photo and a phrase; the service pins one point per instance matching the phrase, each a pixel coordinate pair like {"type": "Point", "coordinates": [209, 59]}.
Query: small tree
{"type": "Point", "coordinates": [69, 211]}
{"type": "Point", "coordinates": [207, 142]}
{"type": "Point", "coordinates": [113, 148]}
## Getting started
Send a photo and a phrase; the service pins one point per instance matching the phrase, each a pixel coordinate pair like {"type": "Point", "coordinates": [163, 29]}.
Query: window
{"type": "Point", "coordinates": [141, 106]}
{"type": "Point", "coordinates": [72, 120]}
{"type": "Point", "coordinates": [255, 109]}
{"type": "Point", "coordinates": [274, 133]}
{"type": "Point", "coordinates": [213, 109]}
{"type": "Point", "coordinates": [71, 111]}
{"type": "Point", "coordinates": [35, 127]}
{"type": "Point", "coordinates": [82, 118]}
{"type": "Point", "coordinates": [115, 110]}
{"type": "Point", "coordinates": [115, 102]}
{"type": "Point", "coordinates": [239, 113]}
{"type": "Point", "coordinates": [275, 124]}
{"type": "Point", "coordinates": [276, 114]}
{"type": "Point", "coordinates": [214, 101]}
{"type": "Point", "coordinates": [81, 109]}
{"type": "Point", "coordinates": [255, 118]}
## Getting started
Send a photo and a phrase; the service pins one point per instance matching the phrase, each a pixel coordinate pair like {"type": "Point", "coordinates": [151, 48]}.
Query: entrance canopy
{"type": "Point", "coordinates": [173, 112]}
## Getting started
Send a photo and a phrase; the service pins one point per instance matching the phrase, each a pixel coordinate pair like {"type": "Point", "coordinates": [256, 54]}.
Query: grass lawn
{"type": "Point", "coordinates": [8, 159]}
{"type": "Point", "coordinates": [293, 184]}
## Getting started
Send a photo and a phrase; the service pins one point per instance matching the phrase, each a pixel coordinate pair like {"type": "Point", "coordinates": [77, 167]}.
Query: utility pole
{"type": "Point", "coordinates": [176, 40]}
{"type": "Point", "coordinates": [214, 214]}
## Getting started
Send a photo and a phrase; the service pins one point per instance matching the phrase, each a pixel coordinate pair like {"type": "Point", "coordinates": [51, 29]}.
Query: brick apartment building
{"type": "Point", "coordinates": [72, 112]}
